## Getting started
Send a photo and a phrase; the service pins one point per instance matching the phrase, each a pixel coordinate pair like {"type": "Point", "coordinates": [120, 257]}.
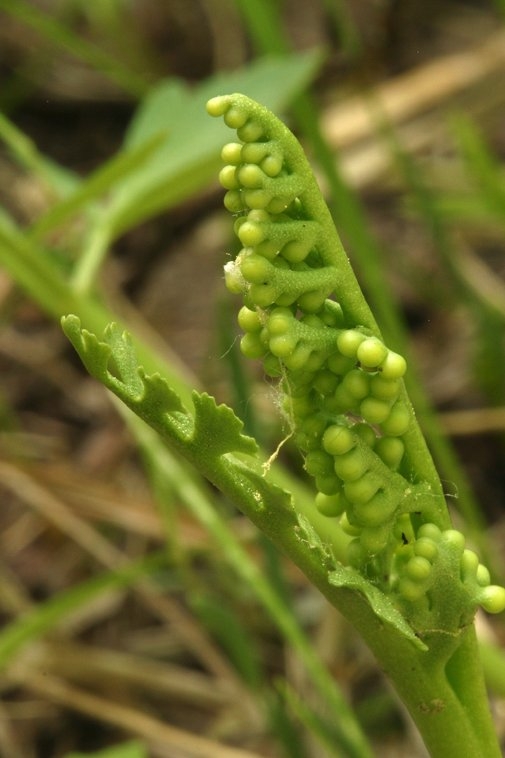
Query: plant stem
{"type": "Point", "coordinates": [447, 700]}
{"type": "Point", "coordinates": [442, 688]}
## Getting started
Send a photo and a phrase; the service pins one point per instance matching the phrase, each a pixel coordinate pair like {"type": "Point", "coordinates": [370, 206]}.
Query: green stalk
{"type": "Point", "coordinates": [443, 688]}
{"type": "Point", "coordinates": [452, 716]}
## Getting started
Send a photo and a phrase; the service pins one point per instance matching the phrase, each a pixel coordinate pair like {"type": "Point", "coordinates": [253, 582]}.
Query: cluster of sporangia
{"type": "Point", "coordinates": [342, 387]}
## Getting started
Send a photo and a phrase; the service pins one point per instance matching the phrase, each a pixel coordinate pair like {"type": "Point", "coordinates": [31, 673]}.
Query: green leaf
{"type": "Point", "coordinates": [218, 430]}
{"type": "Point", "coordinates": [117, 353]}
{"type": "Point", "coordinates": [311, 538]}
{"type": "Point", "coordinates": [260, 490]}
{"type": "Point", "coordinates": [188, 157]}
{"type": "Point", "coordinates": [160, 396]}
{"type": "Point", "coordinates": [349, 578]}
{"type": "Point", "coordinates": [94, 354]}
{"type": "Point", "coordinates": [43, 618]}
{"type": "Point", "coordinates": [205, 439]}
{"type": "Point", "coordinates": [125, 359]}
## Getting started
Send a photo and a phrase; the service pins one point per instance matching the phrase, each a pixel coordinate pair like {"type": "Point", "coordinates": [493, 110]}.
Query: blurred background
{"type": "Point", "coordinates": [110, 208]}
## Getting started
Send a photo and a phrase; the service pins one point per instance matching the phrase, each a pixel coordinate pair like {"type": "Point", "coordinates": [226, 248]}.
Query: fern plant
{"type": "Point", "coordinates": [404, 579]}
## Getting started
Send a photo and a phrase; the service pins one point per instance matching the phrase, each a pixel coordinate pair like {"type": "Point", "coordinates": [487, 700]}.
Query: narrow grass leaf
{"type": "Point", "coordinates": [58, 179]}
{"type": "Point", "coordinates": [320, 728]}
{"type": "Point", "coordinates": [62, 37]}
{"type": "Point", "coordinates": [90, 190]}
{"type": "Point", "coordinates": [46, 616]}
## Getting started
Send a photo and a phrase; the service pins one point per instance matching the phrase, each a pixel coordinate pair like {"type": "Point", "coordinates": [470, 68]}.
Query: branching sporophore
{"type": "Point", "coordinates": [378, 540]}
{"type": "Point", "coordinates": [304, 316]}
